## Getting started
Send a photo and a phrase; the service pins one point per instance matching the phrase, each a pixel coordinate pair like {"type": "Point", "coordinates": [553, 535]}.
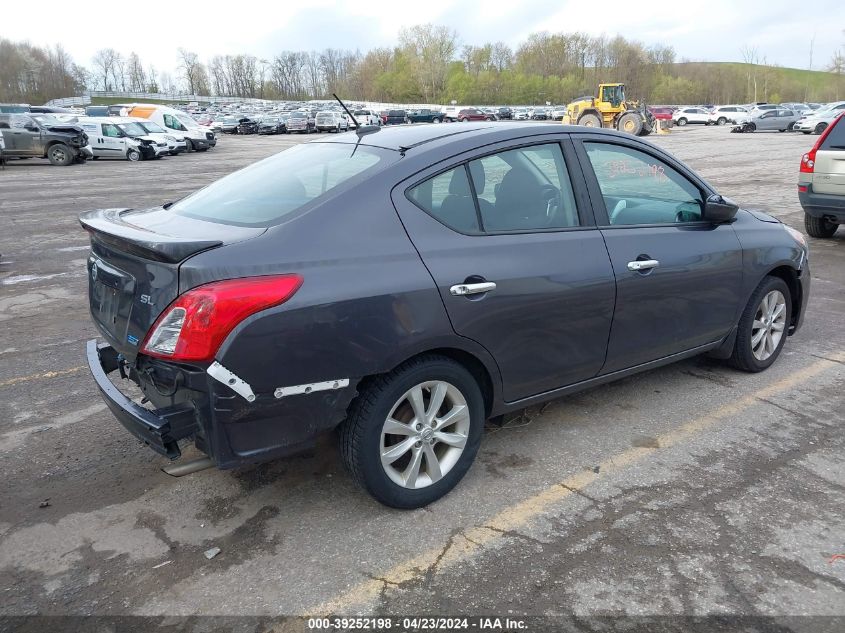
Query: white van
{"type": "Point", "coordinates": [107, 140]}
{"type": "Point", "coordinates": [136, 126]}
{"type": "Point", "coordinates": [172, 120]}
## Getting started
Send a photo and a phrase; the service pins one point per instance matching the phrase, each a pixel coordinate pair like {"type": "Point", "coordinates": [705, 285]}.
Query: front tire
{"type": "Point", "coordinates": [819, 227]}
{"type": "Point", "coordinates": [189, 146]}
{"type": "Point", "coordinates": [412, 434]}
{"type": "Point", "coordinates": [820, 128]}
{"type": "Point", "coordinates": [60, 154]}
{"type": "Point", "coordinates": [763, 326]}
{"type": "Point", "coordinates": [721, 120]}
{"type": "Point", "coordinates": [682, 122]}
{"type": "Point", "coordinates": [133, 155]}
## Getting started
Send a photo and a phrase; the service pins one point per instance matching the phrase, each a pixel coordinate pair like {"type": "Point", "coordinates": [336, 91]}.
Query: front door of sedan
{"type": "Point", "coordinates": [678, 277]}
{"type": "Point", "coordinates": [521, 269]}
{"type": "Point", "coordinates": [769, 120]}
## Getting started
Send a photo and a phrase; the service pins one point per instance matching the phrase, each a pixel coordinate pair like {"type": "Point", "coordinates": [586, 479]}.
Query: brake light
{"type": "Point", "coordinates": [808, 160]}
{"type": "Point", "coordinates": [194, 326]}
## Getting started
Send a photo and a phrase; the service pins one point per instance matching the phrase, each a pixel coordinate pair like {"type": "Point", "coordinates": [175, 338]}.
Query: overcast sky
{"type": "Point", "coordinates": [711, 30]}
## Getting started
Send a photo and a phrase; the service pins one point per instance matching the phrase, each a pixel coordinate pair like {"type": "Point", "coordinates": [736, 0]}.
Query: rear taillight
{"type": "Point", "coordinates": [194, 326]}
{"type": "Point", "coordinates": [802, 189]}
{"type": "Point", "coordinates": [808, 160]}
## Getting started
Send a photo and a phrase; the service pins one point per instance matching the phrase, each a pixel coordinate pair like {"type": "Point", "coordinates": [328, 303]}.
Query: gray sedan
{"type": "Point", "coordinates": [402, 285]}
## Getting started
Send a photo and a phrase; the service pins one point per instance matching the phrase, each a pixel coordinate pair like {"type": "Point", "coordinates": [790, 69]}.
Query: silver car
{"type": "Point", "coordinates": [778, 119]}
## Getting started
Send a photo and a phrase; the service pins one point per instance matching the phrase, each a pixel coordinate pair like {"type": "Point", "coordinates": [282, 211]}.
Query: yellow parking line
{"type": "Point", "coordinates": [474, 538]}
{"type": "Point", "coordinates": [46, 374]}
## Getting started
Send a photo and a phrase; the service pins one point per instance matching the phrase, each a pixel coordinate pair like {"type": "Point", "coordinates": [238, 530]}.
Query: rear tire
{"type": "Point", "coordinates": [60, 154]}
{"type": "Point", "coordinates": [758, 345]}
{"type": "Point", "coordinates": [435, 120]}
{"type": "Point", "coordinates": [386, 400]}
{"type": "Point", "coordinates": [721, 120]}
{"type": "Point", "coordinates": [819, 227]}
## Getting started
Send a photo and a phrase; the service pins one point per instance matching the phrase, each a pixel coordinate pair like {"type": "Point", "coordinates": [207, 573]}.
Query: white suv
{"type": "Point", "coordinates": [727, 114]}
{"type": "Point", "coordinates": [691, 115]}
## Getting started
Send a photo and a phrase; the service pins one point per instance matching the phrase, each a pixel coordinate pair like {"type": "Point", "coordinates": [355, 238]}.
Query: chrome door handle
{"type": "Point", "coordinates": [644, 264]}
{"type": "Point", "coordinates": [461, 290]}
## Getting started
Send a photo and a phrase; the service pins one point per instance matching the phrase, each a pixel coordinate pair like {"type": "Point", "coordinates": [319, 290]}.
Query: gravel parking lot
{"type": "Point", "coordinates": [692, 489]}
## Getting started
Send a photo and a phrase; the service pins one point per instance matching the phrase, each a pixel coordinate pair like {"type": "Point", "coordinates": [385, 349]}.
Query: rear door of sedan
{"type": "Point", "coordinates": [513, 249]}
{"type": "Point", "coordinates": [678, 277]}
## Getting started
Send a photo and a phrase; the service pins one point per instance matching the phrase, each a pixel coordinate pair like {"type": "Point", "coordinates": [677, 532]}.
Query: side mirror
{"type": "Point", "coordinates": [31, 128]}
{"type": "Point", "coordinates": [719, 209]}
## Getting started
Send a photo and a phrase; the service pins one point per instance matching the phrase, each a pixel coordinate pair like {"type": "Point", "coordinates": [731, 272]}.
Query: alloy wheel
{"type": "Point", "coordinates": [769, 324]}
{"type": "Point", "coordinates": [425, 434]}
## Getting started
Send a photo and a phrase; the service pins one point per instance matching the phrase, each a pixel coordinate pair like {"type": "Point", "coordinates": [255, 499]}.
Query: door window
{"type": "Point", "coordinates": [640, 189]}
{"type": "Point", "coordinates": [448, 198]}
{"type": "Point", "coordinates": [110, 130]}
{"type": "Point", "coordinates": [524, 189]}
{"type": "Point", "coordinates": [173, 123]}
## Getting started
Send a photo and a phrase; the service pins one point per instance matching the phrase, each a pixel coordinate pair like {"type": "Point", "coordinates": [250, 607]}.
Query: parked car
{"type": "Point", "coordinates": [539, 114]}
{"type": "Point", "coordinates": [301, 122]}
{"type": "Point", "coordinates": [776, 119]}
{"type": "Point", "coordinates": [683, 116]}
{"type": "Point", "coordinates": [165, 144]}
{"type": "Point", "coordinates": [727, 114]}
{"type": "Point", "coordinates": [425, 116]}
{"type": "Point", "coordinates": [817, 121]}
{"type": "Point", "coordinates": [472, 114]}
{"type": "Point", "coordinates": [154, 129]}
{"type": "Point", "coordinates": [271, 125]}
{"type": "Point", "coordinates": [504, 114]}
{"type": "Point", "coordinates": [521, 114]}
{"type": "Point", "coordinates": [366, 117]}
{"type": "Point", "coordinates": [450, 113]}
{"type": "Point", "coordinates": [821, 181]}
{"type": "Point", "coordinates": [228, 124]}
{"type": "Point", "coordinates": [396, 117]}
{"type": "Point", "coordinates": [107, 140]}
{"type": "Point", "coordinates": [197, 137]}
{"type": "Point", "coordinates": [248, 125]}
{"type": "Point", "coordinates": [264, 297]}
{"type": "Point", "coordinates": [43, 136]}
{"type": "Point", "coordinates": [559, 113]}
{"type": "Point", "coordinates": [331, 121]}
{"type": "Point", "coordinates": [383, 116]}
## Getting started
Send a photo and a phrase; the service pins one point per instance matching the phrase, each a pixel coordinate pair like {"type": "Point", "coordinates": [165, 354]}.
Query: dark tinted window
{"type": "Point", "coordinates": [835, 139]}
{"type": "Point", "coordinates": [524, 189]}
{"type": "Point", "coordinates": [448, 198]}
{"type": "Point", "coordinates": [639, 188]}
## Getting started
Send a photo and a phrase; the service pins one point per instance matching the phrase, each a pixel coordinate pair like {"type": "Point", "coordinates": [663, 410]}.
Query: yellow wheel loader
{"type": "Point", "coordinates": [611, 110]}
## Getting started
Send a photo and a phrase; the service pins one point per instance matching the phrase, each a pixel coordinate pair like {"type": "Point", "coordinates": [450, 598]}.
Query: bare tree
{"type": "Point", "coordinates": [193, 72]}
{"type": "Point", "coordinates": [430, 48]}
{"type": "Point", "coordinates": [751, 58]}
{"type": "Point", "coordinates": [104, 61]}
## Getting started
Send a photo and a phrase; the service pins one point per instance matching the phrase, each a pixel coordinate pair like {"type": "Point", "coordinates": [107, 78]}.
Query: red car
{"type": "Point", "coordinates": [662, 114]}
{"type": "Point", "coordinates": [472, 114]}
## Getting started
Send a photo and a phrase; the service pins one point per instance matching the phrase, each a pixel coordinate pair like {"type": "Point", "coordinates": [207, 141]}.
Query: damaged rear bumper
{"type": "Point", "coordinates": [160, 429]}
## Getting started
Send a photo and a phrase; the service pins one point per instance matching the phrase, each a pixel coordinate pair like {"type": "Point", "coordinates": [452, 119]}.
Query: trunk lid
{"type": "Point", "coordinates": [133, 269]}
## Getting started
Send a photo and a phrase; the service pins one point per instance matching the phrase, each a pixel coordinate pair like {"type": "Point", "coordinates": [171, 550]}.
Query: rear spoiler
{"type": "Point", "coordinates": [108, 227]}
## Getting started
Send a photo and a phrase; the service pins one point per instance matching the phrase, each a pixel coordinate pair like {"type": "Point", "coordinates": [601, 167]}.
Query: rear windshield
{"type": "Point", "coordinates": [835, 139]}
{"type": "Point", "coordinates": [266, 192]}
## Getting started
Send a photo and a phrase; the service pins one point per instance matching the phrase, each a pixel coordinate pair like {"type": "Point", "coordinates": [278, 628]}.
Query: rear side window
{"type": "Point", "coordinates": [524, 189]}
{"type": "Point", "coordinates": [835, 139]}
{"type": "Point", "coordinates": [448, 198]}
{"type": "Point", "coordinates": [266, 192]}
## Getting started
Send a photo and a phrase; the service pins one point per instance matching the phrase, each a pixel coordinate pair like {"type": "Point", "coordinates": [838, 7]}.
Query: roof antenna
{"type": "Point", "coordinates": [360, 130]}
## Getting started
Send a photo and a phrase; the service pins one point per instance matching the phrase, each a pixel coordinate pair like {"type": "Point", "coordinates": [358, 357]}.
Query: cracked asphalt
{"type": "Point", "coordinates": [689, 490]}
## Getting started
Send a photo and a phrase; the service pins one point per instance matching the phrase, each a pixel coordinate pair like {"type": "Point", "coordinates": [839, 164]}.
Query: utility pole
{"type": "Point", "coordinates": [809, 67]}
